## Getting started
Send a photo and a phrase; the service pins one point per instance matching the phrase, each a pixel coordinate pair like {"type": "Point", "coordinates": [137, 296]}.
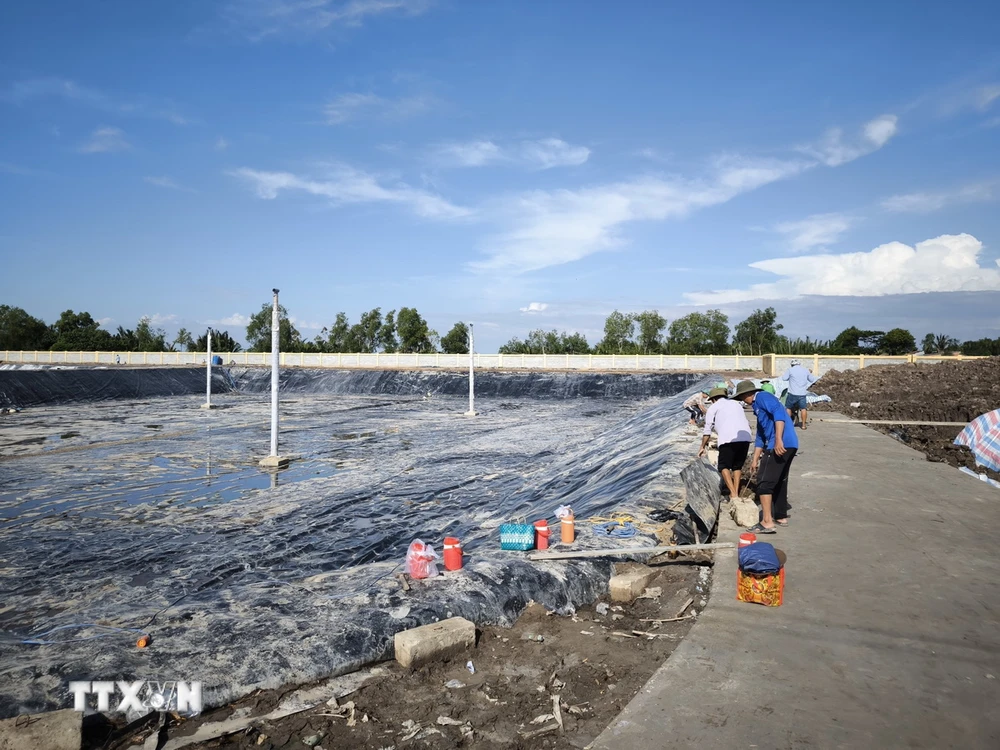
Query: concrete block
{"type": "Point", "coordinates": [438, 640]}
{"type": "Point", "coordinates": [57, 730]}
{"type": "Point", "coordinates": [274, 462]}
{"type": "Point", "coordinates": [626, 586]}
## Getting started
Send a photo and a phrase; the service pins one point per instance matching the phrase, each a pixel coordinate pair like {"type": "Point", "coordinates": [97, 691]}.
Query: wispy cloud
{"type": "Point", "coordinates": [834, 149]}
{"type": "Point", "coordinates": [544, 153]}
{"type": "Point", "coordinates": [818, 230]}
{"type": "Point", "coordinates": [949, 263]}
{"type": "Point", "coordinates": [8, 168]}
{"type": "Point", "coordinates": [342, 185]}
{"type": "Point", "coordinates": [158, 319]}
{"type": "Point", "coordinates": [236, 319]}
{"type": "Point", "coordinates": [27, 90]}
{"type": "Point", "coordinates": [221, 144]}
{"type": "Point", "coordinates": [104, 140]}
{"type": "Point", "coordinates": [168, 183]}
{"type": "Point", "coordinates": [549, 228]}
{"type": "Point", "coordinates": [927, 202]}
{"type": "Point", "coordinates": [259, 19]}
{"type": "Point", "coordinates": [354, 106]}
{"type": "Point", "coordinates": [535, 307]}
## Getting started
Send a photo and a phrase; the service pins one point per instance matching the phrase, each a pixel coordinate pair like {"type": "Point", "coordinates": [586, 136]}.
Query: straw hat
{"type": "Point", "coordinates": [745, 388]}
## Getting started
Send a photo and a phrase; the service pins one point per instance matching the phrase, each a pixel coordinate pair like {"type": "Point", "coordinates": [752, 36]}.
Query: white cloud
{"type": "Point", "coordinates": [136, 106]}
{"type": "Point", "coordinates": [236, 319]}
{"type": "Point", "coordinates": [105, 321]}
{"type": "Point", "coordinates": [935, 201]}
{"type": "Point", "coordinates": [347, 107]}
{"type": "Point", "coordinates": [346, 185]}
{"type": "Point", "coordinates": [818, 230]}
{"type": "Point", "coordinates": [544, 153]}
{"type": "Point", "coordinates": [949, 263]}
{"type": "Point", "coordinates": [157, 319]}
{"type": "Point", "coordinates": [833, 150]}
{"type": "Point", "coordinates": [258, 19]}
{"type": "Point", "coordinates": [167, 182]}
{"type": "Point", "coordinates": [549, 228]}
{"type": "Point", "coordinates": [221, 144]}
{"type": "Point", "coordinates": [304, 325]}
{"type": "Point", "coordinates": [987, 95]}
{"type": "Point", "coordinates": [105, 139]}
{"type": "Point", "coordinates": [535, 307]}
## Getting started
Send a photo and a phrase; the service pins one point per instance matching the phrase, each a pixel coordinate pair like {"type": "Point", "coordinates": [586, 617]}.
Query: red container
{"type": "Point", "coordinates": [747, 539]}
{"type": "Point", "coordinates": [568, 529]}
{"type": "Point", "coordinates": [542, 534]}
{"type": "Point", "coordinates": [452, 553]}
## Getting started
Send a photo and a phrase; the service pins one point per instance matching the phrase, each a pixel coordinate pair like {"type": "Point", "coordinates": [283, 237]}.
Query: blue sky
{"type": "Point", "coordinates": [516, 164]}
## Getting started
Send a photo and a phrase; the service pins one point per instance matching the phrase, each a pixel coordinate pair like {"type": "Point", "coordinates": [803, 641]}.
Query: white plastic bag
{"type": "Point", "coordinates": [564, 511]}
{"type": "Point", "coordinates": [420, 559]}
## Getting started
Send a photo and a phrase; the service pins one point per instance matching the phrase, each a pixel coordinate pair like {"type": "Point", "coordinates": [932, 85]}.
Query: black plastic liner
{"type": "Point", "coordinates": [259, 588]}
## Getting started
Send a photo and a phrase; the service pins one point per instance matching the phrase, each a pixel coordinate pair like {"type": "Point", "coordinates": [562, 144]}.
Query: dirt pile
{"type": "Point", "coordinates": [948, 392]}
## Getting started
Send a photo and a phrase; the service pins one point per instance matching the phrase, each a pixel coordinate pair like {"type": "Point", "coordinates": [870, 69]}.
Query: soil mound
{"type": "Point", "coordinates": [956, 391]}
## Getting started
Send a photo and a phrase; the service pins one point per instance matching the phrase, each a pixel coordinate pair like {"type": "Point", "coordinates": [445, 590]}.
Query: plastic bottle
{"type": "Point", "coordinates": [568, 529]}
{"type": "Point", "coordinates": [452, 553]}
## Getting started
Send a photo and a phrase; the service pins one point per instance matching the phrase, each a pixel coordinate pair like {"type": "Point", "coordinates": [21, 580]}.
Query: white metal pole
{"type": "Point", "coordinates": [208, 372]}
{"type": "Point", "coordinates": [472, 373]}
{"type": "Point", "coordinates": [275, 331]}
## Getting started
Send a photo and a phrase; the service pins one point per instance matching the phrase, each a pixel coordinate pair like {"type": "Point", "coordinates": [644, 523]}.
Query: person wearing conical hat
{"type": "Point", "coordinates": [774, 448]}
{"type": "Point", "coordinates": [729, 420]}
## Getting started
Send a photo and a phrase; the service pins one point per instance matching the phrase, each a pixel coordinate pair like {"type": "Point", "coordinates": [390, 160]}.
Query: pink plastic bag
{"type": "Point", "coordinates": [420, 559]}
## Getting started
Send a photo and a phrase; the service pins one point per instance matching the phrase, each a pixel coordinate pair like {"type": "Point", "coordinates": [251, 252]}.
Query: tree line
{"type": "Point", "coordinates": [759, 333]}
{"type": "Point", "coordinates": [405, 330]}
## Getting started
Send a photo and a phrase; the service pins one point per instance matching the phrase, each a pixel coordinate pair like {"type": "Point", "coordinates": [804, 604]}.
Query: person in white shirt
{"type": "Point", "coordinates": [799, 379]}
{"type": "Point", "coordinates": [730, 422]}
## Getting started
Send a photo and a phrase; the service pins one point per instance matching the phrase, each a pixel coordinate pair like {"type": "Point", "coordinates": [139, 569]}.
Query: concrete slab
{"type": "Point", "coordinates": [890, 631]}
{"type": "Point", "coordinates": [438, 640]}
{"type": "Point", "coordinates": [56, 730]}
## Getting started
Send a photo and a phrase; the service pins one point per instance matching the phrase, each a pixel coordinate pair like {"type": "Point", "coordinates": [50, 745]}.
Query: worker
{"type": "Point", "coordinates": [776, 443]}
{"type": "Point", "coordinates": [799, 379]}
{"type": "Point", "coordinates": [695, 407]}
{"type": "Point", "coordinates": [730, 423]}
{"type": "Point", "coordinates": [765, 385]}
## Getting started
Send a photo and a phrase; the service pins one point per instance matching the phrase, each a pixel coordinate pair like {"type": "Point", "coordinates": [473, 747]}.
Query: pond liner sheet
{"type": "Point", "coordinates": [290, 594]}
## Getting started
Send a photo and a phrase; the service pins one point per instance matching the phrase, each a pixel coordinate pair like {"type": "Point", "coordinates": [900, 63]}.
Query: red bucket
{"type": "Point", "coordinates": [747, 539]}
{"type": "Point", "coordinates": [452, 553]}
{"type": "Point", "coordinates": [542, 534]}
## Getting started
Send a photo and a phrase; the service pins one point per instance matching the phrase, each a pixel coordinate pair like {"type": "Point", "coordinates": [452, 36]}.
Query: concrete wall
{"type": "Point", "coordinates": [407, 361]}
{"type": "Point", "coordinates": [776, 364]}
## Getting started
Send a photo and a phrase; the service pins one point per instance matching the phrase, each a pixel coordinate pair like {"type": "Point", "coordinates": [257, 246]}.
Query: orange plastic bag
{"type": "Point", "coordinates": [420, 559]}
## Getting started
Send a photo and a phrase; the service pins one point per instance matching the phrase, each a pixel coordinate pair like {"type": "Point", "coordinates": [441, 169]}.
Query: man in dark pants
{"type": "Point", "coordinates": [777, 442]}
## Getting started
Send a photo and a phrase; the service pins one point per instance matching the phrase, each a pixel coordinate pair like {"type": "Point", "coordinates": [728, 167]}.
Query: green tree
{"type": "Point", "coordinates": [414, 335]}
{"type": "Point", "coordinates": [20, 331]}
{"type": "Point", "coordinates": [758, 334]}
{"type": "Point", "coordinates": [149, 339]}
{"type": "Point", "coordinates": [80, 332]}
{"type": "Point", "coordinates": [364, 334]}
{"type": "Point", "coordinates": [259, 331]}
{"type": "Point", "coordinates": [456, 341]}
{"type": "Point", "coordinates": [339, 333]}
{"type": "Point", "coordinates": [548, 342]}
{"type": "Point", "coordinates": [945, 344]}
{"type": "Point", "coordinates": [651, 327]}
{"type": "Point", "coordinates": [221, 342]}
{"type": "Point", "coordinates": [898, 341]}
{"type": "Point", "coordinates": [700, 333]}
{"type": "Point", "coordinates": [982, 348]}
{"type": "Point", "coordinates": [387, 333]}
{"type": "Point", "coordinates": [183, 338]}
{"type": "Point", "coordinates": [619, 328]}
{"type": "Point", "coordinates": [929, 345]}
{"type": "Point", "coordinates": [853, 340]}
{"type": "Point", "coordinates": [801, 346]}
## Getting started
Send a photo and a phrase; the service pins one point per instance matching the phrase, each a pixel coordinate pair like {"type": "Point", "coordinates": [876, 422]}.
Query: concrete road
{"type": "Point", "coordinates": [889, 636]}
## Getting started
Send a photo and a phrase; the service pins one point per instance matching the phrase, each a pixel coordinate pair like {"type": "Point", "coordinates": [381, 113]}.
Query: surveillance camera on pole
{"type": "Point", "coordinates": [472, 374]}
{"type": "Point", "coordinates": [208, 377]}
{"type": "Point", "coordinates": [274, 461]}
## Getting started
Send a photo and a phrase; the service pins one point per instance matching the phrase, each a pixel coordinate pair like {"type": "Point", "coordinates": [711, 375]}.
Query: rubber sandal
{"type": "Point", "coordinates": [761, 529]}
{"type": "Point", "coordinates": [781, 521]}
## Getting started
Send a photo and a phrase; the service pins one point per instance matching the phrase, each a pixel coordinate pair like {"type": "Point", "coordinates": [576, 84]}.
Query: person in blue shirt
{"type": "Point", "coordinates": [777, 443]}
{"type": "Point", "coordinates": [799, 379]}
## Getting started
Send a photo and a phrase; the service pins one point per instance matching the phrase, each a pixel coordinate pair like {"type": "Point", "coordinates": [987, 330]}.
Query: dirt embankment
{"type": "Point", "coordinates": [946, 392]}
